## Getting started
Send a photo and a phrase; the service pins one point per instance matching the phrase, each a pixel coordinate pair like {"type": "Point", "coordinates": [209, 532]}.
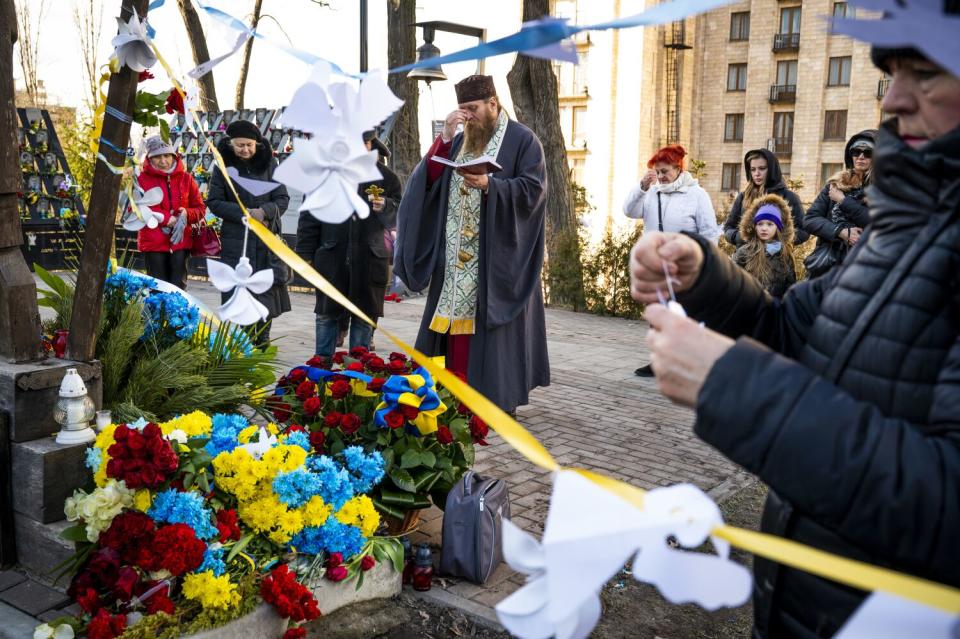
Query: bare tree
{"type": "Point", "coordinates": [88, 18]}
{"type": "Point", "coordinates": [402, 49]}
{"type": "Point", "coordinates": [29, 47]}
{"type": "Point", "coordinates": [533, 87]}
{"type": "Point", "coordinates": [198, 44]}
{"type": "Point", "coordinates": [247, 52]}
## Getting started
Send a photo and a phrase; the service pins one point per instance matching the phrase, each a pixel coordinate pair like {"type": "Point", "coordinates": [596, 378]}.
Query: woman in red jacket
{"type": "Point", "coordinates": [166, 248]}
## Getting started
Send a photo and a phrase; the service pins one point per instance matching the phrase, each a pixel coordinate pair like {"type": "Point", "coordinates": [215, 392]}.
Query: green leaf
{"type": "Point", "coordinates": [402, 479]}
{"type": "Point", "coordinates": [387, 455]}
{"type": "Point", "coordinates": [164, 130]}
{"type": "Point", "coordinates": [188, 480]}
{"type": "Point", "coordinates": [359, 580]}
{"type": "Point", "coordinates": [239, 546]}
{"type": "Point", "coordinates": [77, 532]}
{"type": "Point", "coordinates": [426, 479]}
{"type": "Point", "coordinates": [395, 550]}
{"type": "Point", "coordinates": [428, 459]}
{"type": "Point", "coordinates": [396, 498]}
{"type": "Point", "coordinates": [383, 439]}
{"type": "Point", "coordinates": [410, 459]}
{"type": "Point", "coordinates": [195, 443]}
{"type": "Point", "coordinates": [387, 509]}
{"type": "Point", "coordinates": [469, 454]}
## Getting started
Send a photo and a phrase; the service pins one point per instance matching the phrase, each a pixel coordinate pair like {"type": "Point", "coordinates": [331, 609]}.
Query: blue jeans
{"type": "Point", "coordinates": [328, 326]}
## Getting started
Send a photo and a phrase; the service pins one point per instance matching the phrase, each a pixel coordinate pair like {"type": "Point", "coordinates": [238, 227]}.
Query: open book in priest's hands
{"type": "Point", "coordinates": [478, 166]}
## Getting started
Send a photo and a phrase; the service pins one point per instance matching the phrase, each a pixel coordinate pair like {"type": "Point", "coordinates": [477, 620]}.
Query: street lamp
{"type": "Point", "coordinates": [429, 50]}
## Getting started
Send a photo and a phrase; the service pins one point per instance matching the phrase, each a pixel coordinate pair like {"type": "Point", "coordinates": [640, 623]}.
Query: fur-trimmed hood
{"type": "Point", "coordinates": [259, 163]}
{"type": "Point", "coordinates": [846, 181]}
{"type": "Point", "coordinates": [747, 229]}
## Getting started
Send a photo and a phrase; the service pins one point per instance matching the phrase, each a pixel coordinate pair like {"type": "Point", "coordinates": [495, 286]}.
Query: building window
{"type": "Point", "coordinates": [827, 171]}
{"type": "Point", "coordinates": [577, 166]}
{"type": "Point", "coordinates": [790, 20]}
{"type": "Point", "coordinates": [839, 75]}
{"type": "Point", "coordinates": [842, 10]}
{"type": "Point", "coordinates": [733, 128]}
{"type": "Point", "coordinates": [787, 73]}
{"type": "Point", "coordinates": [579, 127]}
{"type": "Point", "coordinates": [785, 169]}
{"type": "Point", "coordinates": [835, 125]}
{"type": "Point", "coordinates": [730, 177]}
{"type": "Point", "coordinates": [737, 77]}
{"type": "Point", "coordinates": [739, 26]}
{"type": "Point", "coordinates": [783, 133]}
{"type": "Point", "coordinates": [566, 125]}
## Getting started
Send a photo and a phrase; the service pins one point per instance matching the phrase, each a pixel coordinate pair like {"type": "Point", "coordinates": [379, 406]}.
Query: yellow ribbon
{"type": "Point", "coordinates": [840, 569]}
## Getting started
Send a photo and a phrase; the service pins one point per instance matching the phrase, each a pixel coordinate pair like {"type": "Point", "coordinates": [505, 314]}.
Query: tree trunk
{"type": "Point", "coordinates": [198, 43]}
{"type": "Point", "coordinates": [102, 214]}
{"type": "Point", "coordinates": [247, 52]}
{"type": "Point", "coordinates": [402, 49]}
{"type": "Point", "coordinates": [19, 315]}
{"type": "Point", "coordinates": [533, 87]}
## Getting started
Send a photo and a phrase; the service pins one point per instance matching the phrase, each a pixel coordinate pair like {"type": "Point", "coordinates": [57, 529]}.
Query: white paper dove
{"type": "Point", "coordinates": [140, 214]}
{"type": "Point", "coordinates": [131, 45]}
{"type": "Point", "coordinates": [265, 441]}
{"type": "Point", "coordinates": [329, 167]}
{"type": "Point", "coordinates": [242, 308]}
{"type": "Point", "coordinates": [591, 533]}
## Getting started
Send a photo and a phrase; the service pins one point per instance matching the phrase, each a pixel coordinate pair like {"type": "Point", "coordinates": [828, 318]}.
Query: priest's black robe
{"type": "Point", "coordinates": [508, 351]}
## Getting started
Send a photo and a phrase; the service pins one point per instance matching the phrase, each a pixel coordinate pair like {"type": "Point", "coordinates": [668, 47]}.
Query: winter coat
{"type": "Point", "coordinates": [179, 190]}
{"type": "Point", "coordinates": [782, 271]}
{"type": "Point", "coordinates": [222, 204]}
{"type": "Point", "coordinates": [682, 205]}
{"type": "Point", "coordinates": [775, 185]}
{"type": "Point", "coordinates": [353, 256]}
{"type": "Point", "coordinates": [848, 403]}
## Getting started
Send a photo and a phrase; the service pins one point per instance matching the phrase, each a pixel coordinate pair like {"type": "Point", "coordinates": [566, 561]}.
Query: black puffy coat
{"type": "Point", "coordinates": [848, 403]}
{"type": "Point", "coordinates": [352, 256]}
{"type": "Point", "coordinates": [774, 185]}
{"type": "Point", "coordinates": [222, 203]}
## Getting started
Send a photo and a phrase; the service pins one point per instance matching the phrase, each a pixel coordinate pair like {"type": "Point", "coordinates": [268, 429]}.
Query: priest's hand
{"type": "Point", "coordinates": [682, 353]}
{"type": "Point", "coordinates": [476, 181]}
{"type": "Point", "coordinates": [450, 125]}
{"type": "Point", "coordinates": [376, 204]}
{"type": "Point", "coordinates": [681, 254]}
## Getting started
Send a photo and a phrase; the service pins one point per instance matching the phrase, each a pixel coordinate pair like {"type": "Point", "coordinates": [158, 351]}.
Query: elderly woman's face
{"type": "Point", "coordinates": [666, 173]}
{"type": "Point", "coordinates": [163, 162]}
{"type": "Point", "coordinates": [925, 99]}
{"type": "Point", "coordinates": [244, 147]}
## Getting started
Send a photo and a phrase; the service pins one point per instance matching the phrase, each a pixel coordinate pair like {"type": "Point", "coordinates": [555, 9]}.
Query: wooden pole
{"type": "Point", "coordinates": [102, 212]}
{"type": "Point", "coordinates": [19, 314]}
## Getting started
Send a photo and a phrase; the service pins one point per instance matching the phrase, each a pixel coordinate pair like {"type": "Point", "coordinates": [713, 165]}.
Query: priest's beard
{"type": "Point", "coordinates": [477, 133]}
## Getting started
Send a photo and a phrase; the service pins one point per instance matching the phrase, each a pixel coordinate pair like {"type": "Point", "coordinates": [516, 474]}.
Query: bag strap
{"type": "Point", "coordinates": [659, 212]}
{"type": "Point", "coordinates": [467, 482]}
{"type": "Point", "coordinates": [894, 278]}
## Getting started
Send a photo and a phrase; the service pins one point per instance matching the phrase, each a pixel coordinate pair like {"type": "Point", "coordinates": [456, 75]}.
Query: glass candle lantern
{"type": "Point", "coordinates": [423, 568]}
{"type": "Point", "coordinates": [74, 410]}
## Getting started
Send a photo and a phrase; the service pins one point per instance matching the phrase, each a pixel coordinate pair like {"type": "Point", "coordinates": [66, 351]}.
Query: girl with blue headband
{"type": "Point", "coordinates": [767, 252]}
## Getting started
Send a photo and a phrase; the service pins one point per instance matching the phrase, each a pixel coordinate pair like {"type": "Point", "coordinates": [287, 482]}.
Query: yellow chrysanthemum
{"type": "Point", "coordinates": [245, 435]}
{"type": "Point", "coordinates": [316, 511]}
{"type": "Point", "coordinates": [193, 424]}
{"type": "Point", "coordinates": [360, 512]}
{"type": "Point", "coordinates": [103, 441]}
{"type": "Point", "coordinates": [269, 516]}
{"type": "Point", "coordinates": [211, 591]}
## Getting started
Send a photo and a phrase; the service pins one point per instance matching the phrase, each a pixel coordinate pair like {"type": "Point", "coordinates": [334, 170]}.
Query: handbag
{"type": "Point", "coordinates": [282, 272]}
{"type": "Point", "coordinates": [206, 241]}
{"type": "Point", "coordinates": [823, 258]}
{"type": "Point", "coordinates": [472, 527]}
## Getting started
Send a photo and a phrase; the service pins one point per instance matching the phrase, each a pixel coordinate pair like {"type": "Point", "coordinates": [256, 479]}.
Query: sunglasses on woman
{"type": "Point", "coordinates": [867, 153]}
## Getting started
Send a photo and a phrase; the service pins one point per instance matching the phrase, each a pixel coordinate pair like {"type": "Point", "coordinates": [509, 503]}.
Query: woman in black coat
{"type": "Point", "coordinates": [765, 178]}
{"type": "Point", "coordinates": [844, 398]}
{"type": "Point", "coordinates": [250, 153]}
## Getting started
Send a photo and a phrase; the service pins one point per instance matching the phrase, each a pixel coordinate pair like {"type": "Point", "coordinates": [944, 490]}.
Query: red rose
{"type": "Point", "coordinates": [332, 419]}
{"type": "Point", "coordinates": [356, 367]}
{"type": "Point", "coordinates": [359, 351]}
{"type": "Point", "coordinates": [297, 375]}
{"type": "Point", "coordinates": [375, 364]}
{"type": "Point", "coordinates": [144, 76]}
{"type": "Point", "coordinates": [444, 436]}
{"type": "Point", "coordinates": [316, 440]}
{"type": "Point", "coordinates": [375, 385]}
{"type": "Point", "coordinates": [334, 559]}
{"type": "Point", "coordinates": [106, 626]}
{"type": "Point", "coordinates": [89, 600]}
{"type": "Point", "coordinates": [315, 361]}
{"type": "Point", "coordinates": [478, 430]}
{"type": "Point", "coordinates": [409, 412]}
{"type": "Point", "coordinates": [462, 409]}
{"type": "Point", "coordinates": [127, 532]}
{"type": "Point", "coordinates": [338, 573]}
{"type": "Point", "coordinates": [295, 633]}
{"type": "Point", "coordinates": [312, 406]}
{"type": "Point", "coordinates": [367, 563]}
{"type": "Point", "coordinates": [306, 390]}
{"type": "Point", "coordinates": [396, 366]}
{"type": "Point", "coordinates": [339, 356]}
{"type": "Point", "coordinates": [394, 419]}
{"type": "Point", "coordinates": [399, 356]}
{"type": "Point", "coordinates": [283, 381]}
{"type": "Point", "coordinates": [339, 389]}
{"type": "Point", "coordinates": [349, 423]}
{"type": "Point", "coordinates": [174, 102]}
{"type": "Point", "coordinates": [227, 525]}
{"type": "Point", "coordinates": [281, 411]}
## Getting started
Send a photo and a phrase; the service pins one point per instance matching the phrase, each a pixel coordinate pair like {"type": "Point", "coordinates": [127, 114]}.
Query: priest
{"type": "Point", "coordinates": [476, 239]}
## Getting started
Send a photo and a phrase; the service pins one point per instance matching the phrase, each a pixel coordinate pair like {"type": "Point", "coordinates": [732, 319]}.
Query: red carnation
{"type": "Point", "coordinates": [349, 423]}
{"type": "Point", "coordinates": [339, 389]}
{"type": "Point", "coordinates": [89, 600]}
{"type": "Point", "coordinates": [315, 361]}
{"type": "Point", "coordinates": [144, 76]}
{"type": "Point", "coordinates": [312, 406]}
{"type": "Point", "coordinates": [375, 385]}
{"type": "Point", "coordinates": [409, 413]}
{"type": "Point", "coordinates": [160, 602]}
{"type": "Point", "coordinates": [106, 626]}
{"type": "Point", "coordinates": [175, 548]}
{"type": "Point", "coordinates": [174, 102]}
{"type": "Point", "coordinates": [478, 430]}
{"type": "Point", "coordinates": [334, 559]}
{"type": "Point", "coordinates": [332, 419]}
{"type": "Point", "coordinates": [337, 573]}
{"type": "Point", "coordinates": [306, 390]}
{"type": "Point", "coordinates": [394, 419]}
{"type": "Point", "coordinates": [375, 364]}
{"type": "Point", "coordinates": [295, 633]}
{"type": "Point", "coordinates": [356, 367]}
{"type": "Point", "coordinates": [281, 410]}
{"type": "Point", "coordinates": [316, 440]}
{"type": "Point", "coordinates": [290, 598]}
{"type": "Point", "coordinates": [227, 525]}
{"type": "Point", "coordinates": [444, 436]}
{"type": "Point", "coordinates": [367, 563]}
{"type": "Point", "coordinates": [295, 428]}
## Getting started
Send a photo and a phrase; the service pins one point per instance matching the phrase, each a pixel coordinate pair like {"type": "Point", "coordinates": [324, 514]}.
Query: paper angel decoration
{"type": "Point", "coordinates": [242, 308]}
{"type": "Point", "coordinates": [141, 214]}
{"type": "Point", "coordinates": [255, 188]}
{"type": "Point", "coordinates": [265, 441]}
{"type": "Point", "coordinates": [886, 616]}
{"type": "Point", "coordinates": [591, 533]}
{"type": "Point", "coordinates": [131, 45]}
{"type": "Point", "coordinates": [329, 167]}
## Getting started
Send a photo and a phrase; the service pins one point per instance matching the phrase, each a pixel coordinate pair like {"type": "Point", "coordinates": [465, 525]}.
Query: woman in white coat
{"type": "Point", "coordinates": [669, 199]}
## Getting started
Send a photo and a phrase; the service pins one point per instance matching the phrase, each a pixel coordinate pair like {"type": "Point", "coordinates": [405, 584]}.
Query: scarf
{"type": "Point", "coordinates": [773, 248]}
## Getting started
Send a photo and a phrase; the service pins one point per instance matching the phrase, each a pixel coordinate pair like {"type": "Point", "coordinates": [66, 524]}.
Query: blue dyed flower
{"type": "Point", "coordinates": [365, 469]}
{"type": "Point", "coordinates": [129, 284]}
{"type": "Point", "coordinates": [174, 507]}
{"type": "Point", "coordinates": [223, 433]}
{"type": "Point", "coordinates": [333, 536]}
{"type": "Point", "coordinates": [295, 488]}
{"type": "Point", "coordinates": [94, 458]}
{"type": "Point", "coordinates": [237, 342]}
{"type": "Point", "coordinates": [213, 560]}
{"type": "Point", "coordinates": [336, 484]}
{"type": "Point", "coordinates": [298, 438]}
{"type": "Point", "coordinates": [171, 311]}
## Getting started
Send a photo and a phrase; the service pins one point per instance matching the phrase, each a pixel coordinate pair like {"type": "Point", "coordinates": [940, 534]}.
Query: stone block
{"type": "Point", "coordinates": [15, 624]}
{"type": "Point", "coordinates": [28, 394]}
{"type": "Point", "coordinates": [380, 582]}
{"type": "Point", "coordinates": [33, 598]}
{"type": "Point", "coordinates": [43, 474]}
{"type": "Point", "coordinates": [263, 623]}
{"type": "Point", "coordinates": [10, 578]}
{"type": "Point", "coordinates": [39, 546]}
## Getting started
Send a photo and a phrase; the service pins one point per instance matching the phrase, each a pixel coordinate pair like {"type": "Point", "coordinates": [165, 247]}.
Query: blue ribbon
{"type": "Point", "coordinates": [119, 115]}
{"type": "Point", "coordinates": [127, 152]}
{"type": "Point", "coordinates": [315, 374]}
{"type": "Point", "coordinates": [398, 385]}
{"type": "Point", "coordinates": [156, 4]}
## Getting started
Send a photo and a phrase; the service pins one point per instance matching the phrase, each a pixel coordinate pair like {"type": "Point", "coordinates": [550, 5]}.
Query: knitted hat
{"type": "Point", "coordinates": [156, 146]}
{"type": "Point", "coordinates": [475, 87]}
{"type": "Point", "coordinates": [244, 129]}
{"type": "Point", "coordinates": [771, 213]}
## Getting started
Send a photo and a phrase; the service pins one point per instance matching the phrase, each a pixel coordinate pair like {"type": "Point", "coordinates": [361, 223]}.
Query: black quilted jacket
{"type": "Point", "coordinates": [845, 399]}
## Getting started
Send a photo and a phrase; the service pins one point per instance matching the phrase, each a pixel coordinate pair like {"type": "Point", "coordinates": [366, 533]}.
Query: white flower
{"type": "Point", "coordinates": [98, 508]}
{"type": "Point", "coordinates": [242, 307]}
{"type": "Point", "coordinates": [131, 45]}
{"type": "Point", "coordinates": [178, 436]}
{"type": "Point", "coordinates": [45, 631]}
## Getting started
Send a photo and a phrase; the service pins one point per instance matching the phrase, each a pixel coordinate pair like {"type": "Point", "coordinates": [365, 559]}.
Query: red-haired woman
{"type": "Point", "coordinates": [669, 199]}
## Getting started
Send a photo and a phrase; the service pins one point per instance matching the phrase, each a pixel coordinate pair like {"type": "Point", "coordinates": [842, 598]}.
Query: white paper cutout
{"type": "Point", "coordinates": [203, 69]}
{"type": "Point", "coordinates": [591, 533]}
{"type": "Point", "coordinates": [141, 215]}
{"type": "Point", "coordinates": [242, 308]}
{"type": "Point", "coordinates": [886, 616]}
{"type": "Point", "coordinates": [253, 187]}
{"type": "Point", "coordinates": [131, 45]}
{"type": "Point", "coordinates": [265, 441]}
{"type": "Point", "coordinates": [330, 166]}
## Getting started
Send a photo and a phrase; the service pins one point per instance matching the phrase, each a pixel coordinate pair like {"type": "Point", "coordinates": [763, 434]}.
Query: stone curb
{"type": "Point", "coordinates": [483, 615]}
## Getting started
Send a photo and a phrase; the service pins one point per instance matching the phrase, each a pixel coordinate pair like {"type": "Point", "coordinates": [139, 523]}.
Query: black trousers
{"type": "Point", "coordinates": [169, 267]}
